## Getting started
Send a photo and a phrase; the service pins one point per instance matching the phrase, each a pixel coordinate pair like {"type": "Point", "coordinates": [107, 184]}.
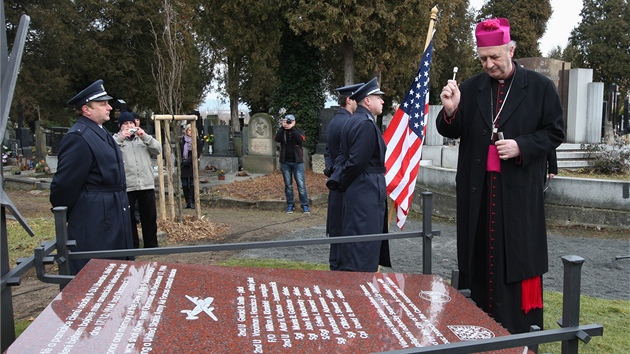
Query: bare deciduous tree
{"type": "Point", "coordinates": [169, 62]}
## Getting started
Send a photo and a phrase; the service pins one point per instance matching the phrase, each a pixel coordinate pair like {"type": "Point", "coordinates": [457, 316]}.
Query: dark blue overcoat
{"type": "Point", "coordinates": [335, 197]}
{"type": "Point", "coordinates": [360, 170]}
{"type": "Point", "coordinates": [333, 135]}
{"type": "Point", "coordinates": [90, 181]}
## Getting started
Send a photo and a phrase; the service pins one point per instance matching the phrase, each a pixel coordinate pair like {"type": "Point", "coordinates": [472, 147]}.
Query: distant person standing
{"type": "Point", "coordinates": [90, 179]}
{"type": "Point", "coordinates": [359, 173]}
{"type": "Point", "coordinates": [333, 135]}
{"type": "Point", "coordinates": [290, 138]}
{"type": "Point", "coordinates": [137, 148]}
{"type": "Point", "coordinates": [187, 177]}
{"type": "Point", "coordinates": [136, 119]}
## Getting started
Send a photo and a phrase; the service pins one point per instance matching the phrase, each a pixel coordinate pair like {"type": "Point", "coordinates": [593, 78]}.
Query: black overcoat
{"type": "Point", "coordinates": [532, 115]}
{"type": "Point", "coordinates": [90, 181]}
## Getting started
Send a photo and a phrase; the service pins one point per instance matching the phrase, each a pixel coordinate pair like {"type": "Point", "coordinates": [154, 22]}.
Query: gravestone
{"type": "Point", "coordinates": [207, 126]}
{"type": "Point", "coordinates": [142, 307]}
{"type": "Point", "coordinates": [245, 137]}
{"type": "Point", "coordinates": [557, 71]}
{"type": "Point", "coordinates": [318, 164]}
{"type": "Point", "coordinates": [40, 142]}
{"type": "Point", "coordinates": [25, 137]}
{"type": "Point", "coordinates": [237, 140]}
{"type": "Point", "coordinates": [325, 116]}
{"type": "Point", "coordinates": [222, 156]}
{"type": "Point", "coordinates": [214, 119]}
{"type": "Point", "coordinates": [261, 148]}
{"type": "Point", "coordinates": [578, 110]}
{"type": "Point", "coordinates": [57, 134]}
{"type": "Point", "coordinates": [221, 145]}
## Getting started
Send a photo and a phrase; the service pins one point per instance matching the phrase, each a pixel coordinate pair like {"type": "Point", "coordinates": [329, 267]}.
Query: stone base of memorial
{"type": "Point", "coordinates": [139, 307]}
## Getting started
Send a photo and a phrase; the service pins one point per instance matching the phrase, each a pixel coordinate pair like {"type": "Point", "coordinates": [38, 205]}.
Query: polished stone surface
{"type": "Point", "coordinates": [141, 307]}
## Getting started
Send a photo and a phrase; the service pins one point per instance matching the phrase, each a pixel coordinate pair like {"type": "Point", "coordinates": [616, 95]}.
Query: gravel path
{"type": "Point", "coordinates": [602, 275]}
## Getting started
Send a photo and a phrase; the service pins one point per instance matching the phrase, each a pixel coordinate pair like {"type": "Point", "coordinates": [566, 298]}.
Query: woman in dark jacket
{"type": "Point", "coordinates": [185, 144]}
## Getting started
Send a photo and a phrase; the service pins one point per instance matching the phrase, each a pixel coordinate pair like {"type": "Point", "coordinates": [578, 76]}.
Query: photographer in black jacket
{"type": "Point", "coordinates": [292, 162]}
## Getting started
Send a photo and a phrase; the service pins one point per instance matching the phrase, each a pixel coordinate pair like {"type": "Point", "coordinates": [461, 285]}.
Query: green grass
{"type": "Point", "coordinates": [272, 263]}
{"type": "Point", "coordinates": [21, 244]}
{"type": "Point", "coordinates": [614, 315]}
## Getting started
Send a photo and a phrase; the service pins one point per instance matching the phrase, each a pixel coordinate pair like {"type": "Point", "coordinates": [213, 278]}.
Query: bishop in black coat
{"type": "Point", "coordinates": [507, 119]}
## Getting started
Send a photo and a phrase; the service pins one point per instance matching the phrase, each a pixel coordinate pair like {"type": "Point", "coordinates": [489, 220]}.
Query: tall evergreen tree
{"type": "Point", "coordinates": [73, 43]}
{"type": "Point", "coordinates": [244, 38]}
{"type": "Point", "coordinates": [300, 88]}
{"type": "Point", "coordinates": [44, 81]}
{"type": "Point", "coordinates": [360, 40]}
{"type": "Point", "coordinates": [602, 41]}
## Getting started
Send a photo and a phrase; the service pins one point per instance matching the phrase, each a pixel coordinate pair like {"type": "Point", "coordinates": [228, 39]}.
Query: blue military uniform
{"type": "Point", "coordinates": [335, 197]}
{"type": "Point", "coordinates": [359, 172]}
{"type": "Point", "coordinates": [90, 181]}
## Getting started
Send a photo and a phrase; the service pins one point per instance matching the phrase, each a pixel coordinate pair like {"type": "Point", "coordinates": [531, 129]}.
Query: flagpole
{"type": "Point", "coordinates": [432, 20]}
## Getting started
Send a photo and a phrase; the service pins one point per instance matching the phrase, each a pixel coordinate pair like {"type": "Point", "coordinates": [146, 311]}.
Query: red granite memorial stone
{"type": "Point", "coordinates": [142, 307]}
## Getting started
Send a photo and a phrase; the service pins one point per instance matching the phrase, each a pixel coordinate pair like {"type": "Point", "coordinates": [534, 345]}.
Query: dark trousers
{"type": "Point", "coordinates": [148, 217]}
{"type": "Point", "coordinates": [188, 188]}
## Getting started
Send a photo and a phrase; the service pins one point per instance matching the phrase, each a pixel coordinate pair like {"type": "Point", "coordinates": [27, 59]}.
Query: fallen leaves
{"type": "Point", "coordinates": [191, 229]}
{"type": "Point", "coordinates": [270, 187]}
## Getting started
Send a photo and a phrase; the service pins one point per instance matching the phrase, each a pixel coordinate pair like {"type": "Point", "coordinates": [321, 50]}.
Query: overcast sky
{"type": "Point", "coordinates": [565, 17]}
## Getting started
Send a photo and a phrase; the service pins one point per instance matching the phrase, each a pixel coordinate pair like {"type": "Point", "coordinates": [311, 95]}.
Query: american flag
{"type": "Point", "coordinates": [404, 137]}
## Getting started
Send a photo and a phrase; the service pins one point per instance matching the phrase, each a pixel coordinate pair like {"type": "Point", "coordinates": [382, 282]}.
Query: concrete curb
{"type": "Point", "coordinates": [275, 204]}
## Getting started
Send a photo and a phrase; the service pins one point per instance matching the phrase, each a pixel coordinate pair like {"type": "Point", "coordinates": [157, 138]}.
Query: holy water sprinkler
{"type": "Point", "coordinates": [454, 72]}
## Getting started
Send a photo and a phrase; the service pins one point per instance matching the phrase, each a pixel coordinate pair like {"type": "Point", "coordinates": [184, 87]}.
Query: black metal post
{"type": "Point", "coordinates": [7, 324]}
{"type": "Point", "coordinates": [571, 299]}
{"type": "Point", "coordinates": [534, 347]}
{"type": "Point", "coordinates": [427, 205]}
{"type": "Point", "coordinates": [61, 236]}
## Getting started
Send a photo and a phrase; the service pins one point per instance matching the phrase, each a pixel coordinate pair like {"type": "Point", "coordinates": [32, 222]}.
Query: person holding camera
{"type": "Point", "coordinates": [137, 147]}
{"type": "Point", "coordinates": [188, 186]}
{"type": "Point", "coordinates": [292, 162]}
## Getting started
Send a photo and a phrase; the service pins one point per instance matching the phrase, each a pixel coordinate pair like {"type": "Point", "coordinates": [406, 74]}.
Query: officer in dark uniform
{"type": "Point", "coordinates": [359, 173]}
{"type": "Point", "coordinates": [90, 179]}
{"type": "Point", "coordinates": [333, 133]}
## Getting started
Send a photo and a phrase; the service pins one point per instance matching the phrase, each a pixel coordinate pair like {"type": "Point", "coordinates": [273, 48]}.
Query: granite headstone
{"type": "Point", "coordinates": [142, 307]}
{"type": "Point", "coordinates": [261, 148]}
{"type": "Point", "coordinates": [325, 116]}
{"type": "Point", "coordinates": [221, 145]}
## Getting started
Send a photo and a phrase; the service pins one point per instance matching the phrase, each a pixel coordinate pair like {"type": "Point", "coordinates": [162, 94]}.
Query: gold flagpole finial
{"type": "Point", "coordinates": [432, 20]}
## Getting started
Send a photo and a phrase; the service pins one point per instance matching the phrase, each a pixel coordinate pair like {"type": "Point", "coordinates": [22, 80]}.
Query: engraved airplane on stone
{"type": "Point", "coordinates": [201, 305]}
